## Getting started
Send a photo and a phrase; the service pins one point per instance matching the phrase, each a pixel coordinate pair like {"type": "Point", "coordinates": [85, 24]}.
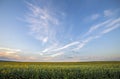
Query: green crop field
{"type": "Point", "coordinates": [63, 70]}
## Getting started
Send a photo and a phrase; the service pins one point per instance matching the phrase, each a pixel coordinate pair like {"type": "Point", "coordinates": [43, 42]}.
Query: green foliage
{"type": "Point", "coordinates": [68, 70]}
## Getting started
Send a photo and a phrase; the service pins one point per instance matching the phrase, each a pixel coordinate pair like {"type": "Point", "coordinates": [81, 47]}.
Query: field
{"type": "Point", "coordinates": [63, 70]}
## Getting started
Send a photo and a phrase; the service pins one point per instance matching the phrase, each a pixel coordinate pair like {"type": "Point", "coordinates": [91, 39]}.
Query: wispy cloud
{"type": "Point", "coordinates": [111, 13]}
{"type": "Point", "coordinates": [98, 30]}
{"type": "Point", "coordinates": [56, 54]}
{"type": "Point", "coordinates": [111, 28]}
{"type": "Point", "coordinates": [43, 22]}
{"type": "Point", "coordinates": [66, 46]}
{"type": "Point", "coordinates": [96, 27]}
{"type": "Point", "coordinates": [53, 50]}
{"type": "Point", "coordinates": [95, 16]}
{"type": "Point", "coordinates": [83, 43]}
{"type": "Point", "coordinates": [103, 25]}
{"type": "Point", "coordinates": [92, 17]}
{"type": "Point", "coordinates": [113, 22]}
{"type": "Point", "coordinates": [108, 13]}
{"type": "Point", "coordinates": [101, 29]}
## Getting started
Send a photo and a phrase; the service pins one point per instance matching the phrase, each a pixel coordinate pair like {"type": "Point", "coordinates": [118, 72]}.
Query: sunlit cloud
{"type": "Point", "coordinates": [10, 50]}
{"type": "Point", "coordinates": [14, 54]}
{"type": "Point", "coordinates": [10, 53]}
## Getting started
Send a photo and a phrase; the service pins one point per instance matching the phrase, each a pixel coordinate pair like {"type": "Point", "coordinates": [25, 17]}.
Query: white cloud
{"type": "Point", "coordinates": [110, 29]}
{"type": "Point", "coordinates": [83, 43]}
{"type": "Point", "coordinates": [56, 54]}
{"type": "Point", "coordinates": [54, 49]}
{"type": "Point", "coordinates": [108, 13]}
{"type": "Point", "coordinates": [105, 26]}
{"type": "Point", "coordinates": [45, 39]}
{"type": "Point", "coordinates": [101, 29]}
{"type": "Point", "coordinates": [96, 27]}
{"type": "Point", "coordinates": [66, 46]}
{"type": "Point", "coordinates": [102, 25]}
{"type": "Point", "coordinates": [51, 47]}
{"type": "Point", "coordinates": [113, 22]}
{"type": "Point", "coordinates": [95, 16]}
{"type": "Point", "coordinates": [92, 17]}
{"type": "Point", "coordinates": [111, 13]}
{"type": "Point", "coordinates": [46, 50]}
{"type": "Point", "coordinates": [43, 22]}
{"type": "Point", "coordinates": [41, 54]}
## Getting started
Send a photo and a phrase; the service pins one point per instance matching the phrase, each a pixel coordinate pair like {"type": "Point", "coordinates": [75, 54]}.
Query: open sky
{"type": "Point", "coordinates": [60, 30]}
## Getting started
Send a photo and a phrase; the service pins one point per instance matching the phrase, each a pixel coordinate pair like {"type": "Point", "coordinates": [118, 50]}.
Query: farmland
{"type": "Point", "coordinates": [59, 70]}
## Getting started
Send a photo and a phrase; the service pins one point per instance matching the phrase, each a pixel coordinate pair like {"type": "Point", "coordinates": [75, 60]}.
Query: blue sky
{"type": "Point", "coordinates": [60, 30]}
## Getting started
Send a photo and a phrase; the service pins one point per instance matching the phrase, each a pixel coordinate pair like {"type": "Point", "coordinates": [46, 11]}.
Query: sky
{"type": "Point", "coordinates": [60, 30]}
